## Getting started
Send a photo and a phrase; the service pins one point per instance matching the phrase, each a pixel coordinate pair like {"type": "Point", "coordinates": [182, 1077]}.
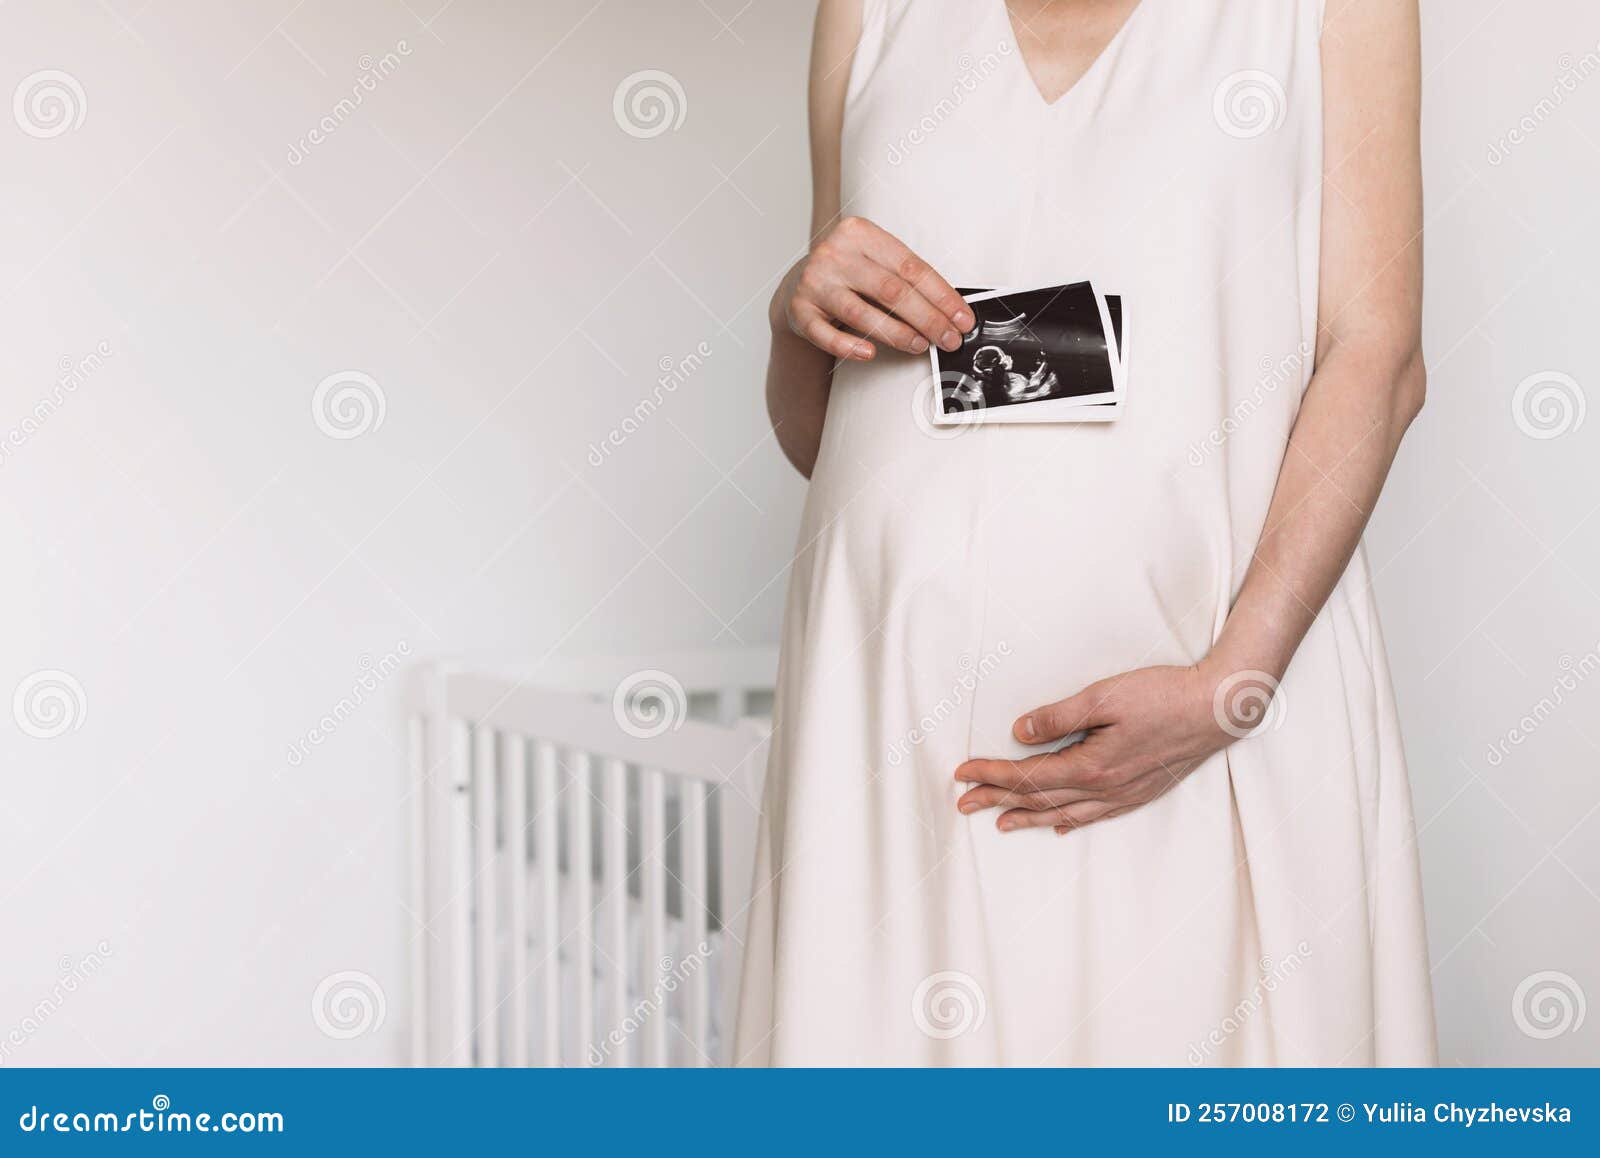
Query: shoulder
{"type": "Point", "coordinates": [1371, 55]}
{"type": "Point", "coordinates": [839, 22]}
{"type": "Point", "coordinates": [843, 24]}
{"type": "Point", "coordinates": [1363, 24]}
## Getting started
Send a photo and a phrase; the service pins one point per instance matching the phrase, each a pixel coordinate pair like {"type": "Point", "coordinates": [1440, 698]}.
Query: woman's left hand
{"type": "Point", "coordinates": [1146, 730]}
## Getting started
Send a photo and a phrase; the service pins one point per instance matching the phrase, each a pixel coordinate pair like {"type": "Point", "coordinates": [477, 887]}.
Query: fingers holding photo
{"type": "Point", "coordinates": [858, 279]}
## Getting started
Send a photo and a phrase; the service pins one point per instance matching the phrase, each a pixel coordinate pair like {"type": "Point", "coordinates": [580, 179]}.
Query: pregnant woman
{"type": "Point", "coordinates": [1224, 870]}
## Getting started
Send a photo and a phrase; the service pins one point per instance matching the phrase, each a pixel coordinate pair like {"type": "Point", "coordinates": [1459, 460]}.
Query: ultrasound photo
{"type": "Point", "coordinates": [1049, 355]}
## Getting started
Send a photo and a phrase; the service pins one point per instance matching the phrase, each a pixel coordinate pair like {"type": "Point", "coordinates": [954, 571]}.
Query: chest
{"type": "Point", "coordinates": [1186, 119]}
{"type": "Point", "coordinates": [1060, 40]}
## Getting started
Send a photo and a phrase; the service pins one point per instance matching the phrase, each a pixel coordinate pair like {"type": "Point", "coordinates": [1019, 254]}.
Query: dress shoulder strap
{"type": "Point", "coordinates": [876, 16]}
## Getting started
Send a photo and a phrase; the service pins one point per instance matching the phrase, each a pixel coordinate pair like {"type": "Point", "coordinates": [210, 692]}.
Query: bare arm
{"type": "Point", "coordinates": [1150, 727]}
{"type": "Point", "coordinates": [1370, 379]}
{"type": "Point", "coordinates": [855, 280]}
{"type": "Point", "coordinates": [799, 374]}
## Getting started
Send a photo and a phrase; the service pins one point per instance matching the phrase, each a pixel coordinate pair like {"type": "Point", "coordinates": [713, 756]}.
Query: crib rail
{"type": "Point", "coordinates": [582, 861]}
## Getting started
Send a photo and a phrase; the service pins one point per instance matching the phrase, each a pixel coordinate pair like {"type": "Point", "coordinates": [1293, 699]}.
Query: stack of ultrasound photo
{"type": "Point", "coordinates": [1057, 354]}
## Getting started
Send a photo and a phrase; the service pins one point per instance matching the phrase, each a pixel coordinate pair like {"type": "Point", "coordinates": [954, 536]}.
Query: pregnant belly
{"type": "Point", "coordinates": [1089, 536]}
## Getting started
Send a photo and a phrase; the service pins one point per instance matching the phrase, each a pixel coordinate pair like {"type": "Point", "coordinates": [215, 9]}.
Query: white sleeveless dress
{"type": "Point", "coordinates": [1268, 909]}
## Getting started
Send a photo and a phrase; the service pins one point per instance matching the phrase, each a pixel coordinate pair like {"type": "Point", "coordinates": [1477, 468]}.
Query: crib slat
{"type": "Point", "coordinates": [580, 872]}
{"type": "Point", "coordinates": [615, 801]}
{"type": "Point", "coordinates": [485, 908]}
{"type": "Point", "coordinates": [461, 1035]}
{"type": "Point", "coordinates": [547, 816]}
{"type": "Point", "coordinates": [654, 899]}
{"type": "Point", "coordinates": [416, 768]}
{"type": "Point", "coordinates": [696, 893]}
{"type": "Point", "coordinates": [514, 764]}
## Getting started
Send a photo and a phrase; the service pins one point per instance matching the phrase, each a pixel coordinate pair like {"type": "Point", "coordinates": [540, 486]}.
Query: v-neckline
{"type": "Point", "coordinates": [1095, 66]}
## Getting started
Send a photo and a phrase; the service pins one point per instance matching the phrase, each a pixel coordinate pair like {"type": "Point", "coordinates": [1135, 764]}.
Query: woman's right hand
{"type": "Point", "coordinates": [858, 284]}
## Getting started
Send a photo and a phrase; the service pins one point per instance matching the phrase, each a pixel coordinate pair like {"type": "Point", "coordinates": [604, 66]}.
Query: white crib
{"type": "Point", "coordinates": [582, 856]}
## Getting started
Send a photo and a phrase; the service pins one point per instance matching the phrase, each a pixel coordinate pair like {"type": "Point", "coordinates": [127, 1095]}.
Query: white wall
{"type": "Point", "coordinates": [1487, 551]}
{"type": "Point", "coordinates": [483, 240]}
{"type": "Point", "coordinates": [511, 268]}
